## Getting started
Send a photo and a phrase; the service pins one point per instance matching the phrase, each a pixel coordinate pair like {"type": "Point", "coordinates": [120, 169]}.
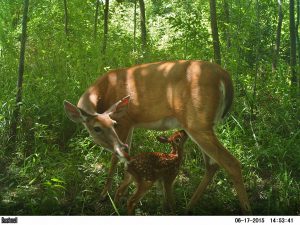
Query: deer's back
{"type": "Point", "coordinates": [152, 166]}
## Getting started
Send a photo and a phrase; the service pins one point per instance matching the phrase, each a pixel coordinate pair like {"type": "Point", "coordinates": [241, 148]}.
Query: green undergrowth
{"type": "Point", "coordinates": [51, 179]}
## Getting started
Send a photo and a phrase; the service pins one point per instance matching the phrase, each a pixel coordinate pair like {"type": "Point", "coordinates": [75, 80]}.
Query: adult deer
{"type": "Point", "coordinates": [192, 95]}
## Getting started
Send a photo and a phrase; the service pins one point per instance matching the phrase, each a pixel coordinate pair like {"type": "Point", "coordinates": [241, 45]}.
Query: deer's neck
{"type": "Point", "coordinates": [177, 152]}
{"type": "Point", "coordinates": [90, 101]}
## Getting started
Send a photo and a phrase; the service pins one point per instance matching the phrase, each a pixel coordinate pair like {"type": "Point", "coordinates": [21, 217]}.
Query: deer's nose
{"type": "Point", "coordinates": [125, 147]}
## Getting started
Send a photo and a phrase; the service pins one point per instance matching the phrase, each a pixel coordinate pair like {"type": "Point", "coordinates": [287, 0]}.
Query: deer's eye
{"type": "Point", "coordinates": [97, 129]}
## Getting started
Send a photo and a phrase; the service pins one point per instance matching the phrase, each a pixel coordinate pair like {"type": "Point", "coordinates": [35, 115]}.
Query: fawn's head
{"type": "Point", "coordinates": [176, 140]}
{"type": "Point", "coordinates": [101, 126]}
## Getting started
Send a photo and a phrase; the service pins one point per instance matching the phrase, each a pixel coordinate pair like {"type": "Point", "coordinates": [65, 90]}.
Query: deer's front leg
{"type": "Point", "coordinates": [169, 197]}
{"type": "Point", "coordinates": [211, 146]}
{"type": "Point", "coordinates": [124, 132]}
{"type": "Point", "coordinates": [113, 165]}
{"type": "Point", "coordinates": [123, 187]}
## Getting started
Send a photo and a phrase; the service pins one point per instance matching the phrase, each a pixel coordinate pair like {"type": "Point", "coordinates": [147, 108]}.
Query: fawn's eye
{"type": "Point", "coordinates": [97, 129]}
{"type": "Point", "coordinates": [177, 140]}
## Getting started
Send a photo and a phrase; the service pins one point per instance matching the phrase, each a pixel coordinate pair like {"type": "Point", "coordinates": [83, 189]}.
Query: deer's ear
{"type": "Point", "coordinates": [118, 109]}
{"type": "Point", "coordinates": [73, 112]}
{"type": "Point", "coordinates": [123, 103]}
{"type": "Point", "coordinates": [162, 139]}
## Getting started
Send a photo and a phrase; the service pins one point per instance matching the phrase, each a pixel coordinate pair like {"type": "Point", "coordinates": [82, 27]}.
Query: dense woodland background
{"type": "Point", "coordinates": [50, 166]}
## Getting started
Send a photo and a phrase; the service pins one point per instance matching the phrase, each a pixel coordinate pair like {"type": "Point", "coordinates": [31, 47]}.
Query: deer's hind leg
{"type": "Point", "coordinates": [211, 146]}
{"type": "Point", "coordinates": [142, 187]}
{"type": "Point", "coordinates": [210, 169]}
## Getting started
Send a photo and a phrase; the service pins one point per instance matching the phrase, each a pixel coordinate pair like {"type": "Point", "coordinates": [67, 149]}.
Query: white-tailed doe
{"type": "Point", "coordinates": [186, 94]}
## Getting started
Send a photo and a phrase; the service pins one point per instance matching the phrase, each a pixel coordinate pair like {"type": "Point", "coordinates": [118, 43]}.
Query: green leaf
{"type": "Point", "coordinates": [56, 180]}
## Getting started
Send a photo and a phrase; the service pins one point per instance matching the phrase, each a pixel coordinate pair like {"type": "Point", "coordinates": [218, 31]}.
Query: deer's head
{"type": "Point", "coordinates": [101, 126]}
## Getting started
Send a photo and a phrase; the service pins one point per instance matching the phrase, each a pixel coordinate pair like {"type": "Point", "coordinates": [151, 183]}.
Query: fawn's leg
{"type": "Point", "coordinates": [169, 197]}
{"type": "Point", "coordinates": [142, 188]}
{"type": "Point", "coordinates": [123, 187]}
{"type": "Point", "coordinates": [209, 143]}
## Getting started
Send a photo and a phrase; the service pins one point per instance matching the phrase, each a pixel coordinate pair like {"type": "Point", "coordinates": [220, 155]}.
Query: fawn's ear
{"type": "Point", "coordinates": [162, 139]}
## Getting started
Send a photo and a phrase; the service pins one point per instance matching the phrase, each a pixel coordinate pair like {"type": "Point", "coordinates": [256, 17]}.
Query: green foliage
{"type": "Point", "coordinates": [58, 170]}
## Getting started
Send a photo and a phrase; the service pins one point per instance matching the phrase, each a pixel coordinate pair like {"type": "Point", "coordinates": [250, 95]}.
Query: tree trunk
{"type": "Point", "coordinates": [66, 17]}
{"type": "Point", "coordinates": [293, 44]}
{"type": "Point", "coordinates": [297, 34]}
{"type": "Point", "coordinates": [143, 26]}
{"type": "Point", "coordinates": [227, 21]}
{"type": "Point", "coordinates": [257, 60]}
{"type": "Point", "coordinates": [134, 27]}
{"type": "Point", "coordinates": [16, 113]}
{"type": "Point", "coordinates": [105, 30]}
{"type": "Point", "coordinates": [278, 37]}
{"type": "Point", "coordinates": [214, 29]}
{"type": "Point", "coordinates": [96, 18]}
